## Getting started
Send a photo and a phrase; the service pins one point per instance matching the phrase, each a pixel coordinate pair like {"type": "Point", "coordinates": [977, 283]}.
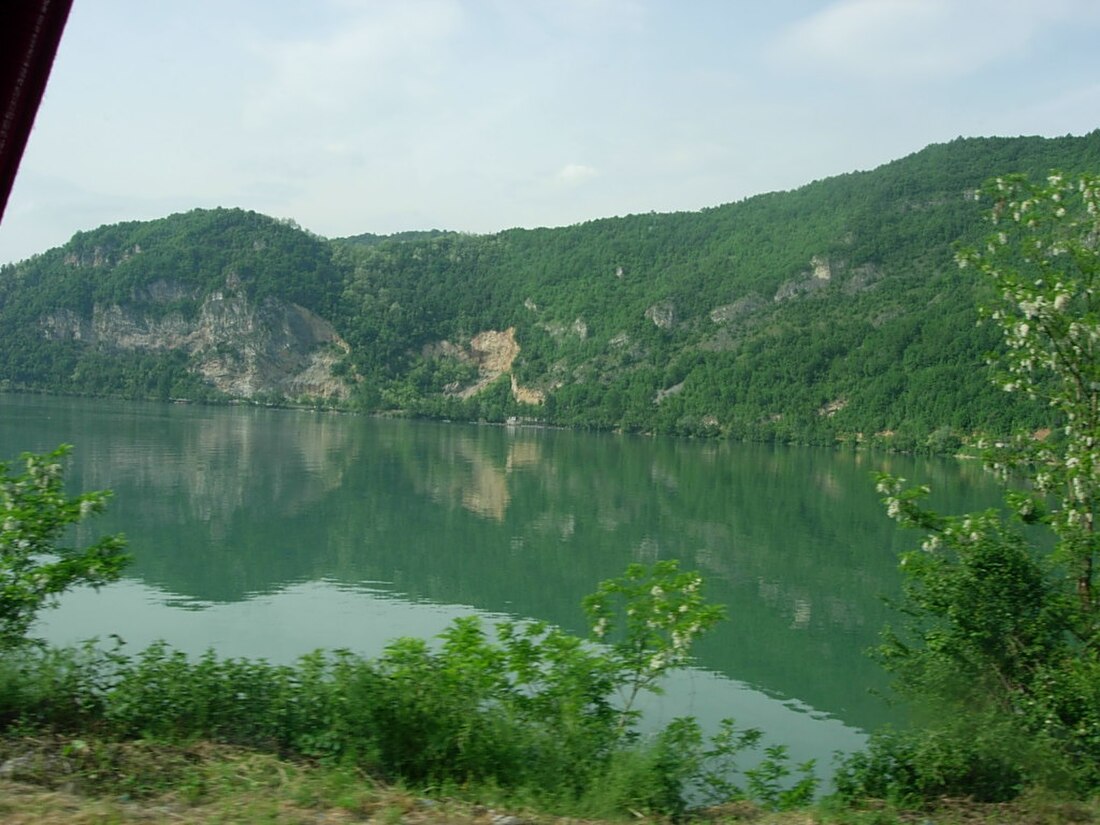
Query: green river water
{"type": "Point", "coordinates": [269, 533]}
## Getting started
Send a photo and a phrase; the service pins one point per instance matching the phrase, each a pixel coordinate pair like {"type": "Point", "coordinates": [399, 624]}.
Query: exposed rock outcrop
{"type": "Point", "coordinates": [663, 315]}
{"type": "Point", "coordinates": [741, 307]}
{"type": "Point", "coordinates": [494, 353]}
{"type": "Point", "coordinates": [819, 276]}
{"type": "Point", "coordinates": [241, 347]}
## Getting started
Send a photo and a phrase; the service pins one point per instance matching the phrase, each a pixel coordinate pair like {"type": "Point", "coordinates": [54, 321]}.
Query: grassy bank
{"type": "Point", "coordinates": [48, 780]}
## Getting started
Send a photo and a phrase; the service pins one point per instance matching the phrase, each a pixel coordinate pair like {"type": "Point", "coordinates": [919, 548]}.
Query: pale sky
{"type": "Point", "coordinates": [354, 116]}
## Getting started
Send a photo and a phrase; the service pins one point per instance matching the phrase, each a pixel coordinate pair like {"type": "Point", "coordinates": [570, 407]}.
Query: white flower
{"type": "Point", "coordinates": [1079, 492]}
{"type": "Point", "coordinates": [889, 485]}
{"type": "Point", "coordinates": [1030, 309]}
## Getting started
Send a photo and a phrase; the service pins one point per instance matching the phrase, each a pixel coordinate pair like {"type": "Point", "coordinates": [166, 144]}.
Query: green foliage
{"type": "Point", "coordinates": [767, 781]}
{"type": "Point", "coordinates": [160, 272]}
{"type": "Point", "coordinates": [831, 311]}
{"type": "Point", "coordinates": [920, 768]}
{"type": "Point", "coordinates": [1000, 617]}
{"type": "Point", "coordinates": [659, 612]}
{"type": "Point", "coordinates": [533, 711]}
{"type": "Point", "coordinates": [42, 687]}
{"type": "Point", "coordinates": [160, 694]}
{"type": "Point", "coordinates": [755, 346]}
{"type": "Point", "coordinates": [35, 566]}
{"type": "Point", "coordinates": [1004, 635]}
{"type": "Point", "coordinates": [1044, 261]}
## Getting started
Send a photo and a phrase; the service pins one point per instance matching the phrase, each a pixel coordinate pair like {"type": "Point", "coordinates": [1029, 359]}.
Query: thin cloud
{"type": "Point", "coordinates": [574, 174]}
{"type": "Point", "coordinates": [1070, 111]}
{"type": "Point", "coordinates": [384, 49]}
{"type": "Point", "coordinates": [917, 39]}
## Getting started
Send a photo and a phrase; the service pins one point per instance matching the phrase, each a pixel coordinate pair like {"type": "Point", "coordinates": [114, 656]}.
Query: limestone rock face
{"type": "Point", "coordinates": [493, 351]}
{"type": "Point", "coordinates": [239, 346]}
{"type": "Point", "coordinates": [663, 315]}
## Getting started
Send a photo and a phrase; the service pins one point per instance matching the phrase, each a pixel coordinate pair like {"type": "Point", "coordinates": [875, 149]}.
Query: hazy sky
{"type": "Point", "coordinates": [355, 116]}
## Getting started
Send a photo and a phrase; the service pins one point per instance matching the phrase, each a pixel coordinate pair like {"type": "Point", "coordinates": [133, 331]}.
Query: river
{"type": "Point", "coordinates": [269, 533]}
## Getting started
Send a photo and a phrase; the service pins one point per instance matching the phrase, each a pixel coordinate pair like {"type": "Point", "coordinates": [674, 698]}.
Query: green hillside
{"type": "Point", "coordinates": [832, 311]}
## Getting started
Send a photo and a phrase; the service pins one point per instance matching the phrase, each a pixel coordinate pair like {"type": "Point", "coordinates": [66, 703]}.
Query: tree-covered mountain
{"type": "Point", "coordinates": [832, 311]}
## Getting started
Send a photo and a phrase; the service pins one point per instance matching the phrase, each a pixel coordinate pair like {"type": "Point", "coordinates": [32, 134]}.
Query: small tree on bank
{"type": "Point", "coordinates": [36, 517]}
{"type": "Point", "coordinates": [1044, 259]}
{"type": "Point", "coordinates": [1004, 638]}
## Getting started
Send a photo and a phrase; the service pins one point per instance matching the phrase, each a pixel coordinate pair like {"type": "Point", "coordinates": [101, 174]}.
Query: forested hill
{"type": "Point", "coordinates": [832, 311]}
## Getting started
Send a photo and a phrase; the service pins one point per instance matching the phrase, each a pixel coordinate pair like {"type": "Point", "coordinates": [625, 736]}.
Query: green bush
{"type": "Point", "coordinates": [920, 767]}
{"type": "Point", "coordinates": [1003, 620]}
{"type": "Point", "coordinates": [532, 711]}
{"type": "Point", "coordinates": [35, 564]}
{"type": "Point", "coordinates": [62, 689]}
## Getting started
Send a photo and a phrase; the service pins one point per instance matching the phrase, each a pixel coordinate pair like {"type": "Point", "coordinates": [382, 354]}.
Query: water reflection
{"type": "Point", "coordinates": [228, 509]}
{"type": "Point", "coordinates": [365, 618]}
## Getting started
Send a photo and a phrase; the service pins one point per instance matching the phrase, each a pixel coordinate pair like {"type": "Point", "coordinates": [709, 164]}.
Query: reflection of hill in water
{"type": "Point", "coordinates": [222, 504]}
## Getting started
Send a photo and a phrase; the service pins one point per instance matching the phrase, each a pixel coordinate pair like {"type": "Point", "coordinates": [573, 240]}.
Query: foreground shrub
{"type": "Point", "coordinates": [1002, 635]}
{"type": "Point", "coordinates": [530, 710]}
{"type": "Point", "coordinates": [921, 767]}
{"type": "Point", "coordinates": [36, 565]}
{"type": "Point", "coordinates": [58, 689]}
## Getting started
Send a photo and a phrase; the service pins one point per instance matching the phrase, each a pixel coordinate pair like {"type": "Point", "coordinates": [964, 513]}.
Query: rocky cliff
{"type": "Point", "coordinates": [242, 348]}
{"type": "Point", "coordinates": [826, 313]}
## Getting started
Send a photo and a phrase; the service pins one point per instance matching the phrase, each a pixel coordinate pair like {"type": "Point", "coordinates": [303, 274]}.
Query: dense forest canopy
{"type": "Point", "coordinates": [834, 311]}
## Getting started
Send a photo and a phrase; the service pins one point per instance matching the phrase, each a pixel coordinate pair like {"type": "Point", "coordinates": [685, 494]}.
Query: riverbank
{"type": "Point", "coordinates": [49, 781]}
